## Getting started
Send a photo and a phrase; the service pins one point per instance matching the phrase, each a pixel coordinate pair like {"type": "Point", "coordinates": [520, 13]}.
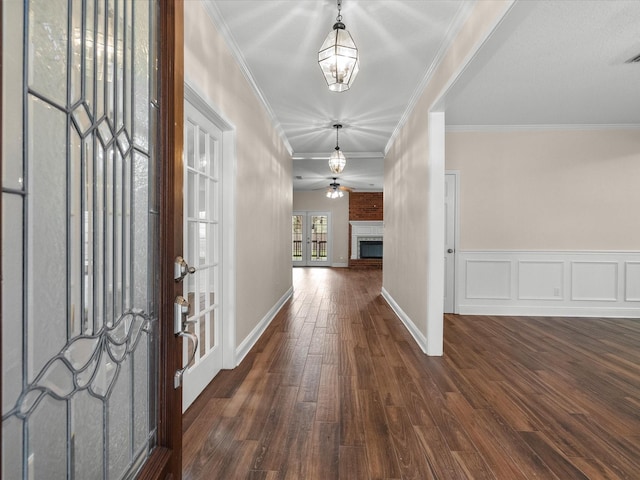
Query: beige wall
{"type": "Point", "coordinates": [339, 208]}
{"type": "Point", "coordinates": [547, 190]}
{"type": "Point", "coordinates": [407, 165]}
{"type": "Point", "coordinates": [264, 172]}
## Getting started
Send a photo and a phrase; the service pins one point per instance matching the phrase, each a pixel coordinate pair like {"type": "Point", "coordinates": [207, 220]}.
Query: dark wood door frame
{"type": "Point", "coordinates": [166, 460]}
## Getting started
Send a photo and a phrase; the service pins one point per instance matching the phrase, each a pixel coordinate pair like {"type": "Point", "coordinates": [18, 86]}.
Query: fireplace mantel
{"type": "Point", "coordinates": [364, 229]}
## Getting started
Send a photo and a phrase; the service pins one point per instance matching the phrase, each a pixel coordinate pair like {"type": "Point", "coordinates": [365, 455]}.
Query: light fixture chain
{"type": "Point", "coordinates": [339, 17]}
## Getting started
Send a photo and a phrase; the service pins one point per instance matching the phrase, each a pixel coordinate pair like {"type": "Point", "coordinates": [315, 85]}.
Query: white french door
{"type": "Point", "coordinates": [202, 250]}
{"type": "Point", "coordinates": [310, 239]}
{"type": "Point", "coordinates": [450, 193]}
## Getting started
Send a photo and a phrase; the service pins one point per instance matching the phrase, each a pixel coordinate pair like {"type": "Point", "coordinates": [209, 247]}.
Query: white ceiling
{"type": "Point", "coordinates": [551, 62]}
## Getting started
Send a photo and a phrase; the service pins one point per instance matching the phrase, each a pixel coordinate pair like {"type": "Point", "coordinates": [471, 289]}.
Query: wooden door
{"type": "Point", "coordinates": [90, 202]}
{"type": "Point", "coordinates": [165, 461]}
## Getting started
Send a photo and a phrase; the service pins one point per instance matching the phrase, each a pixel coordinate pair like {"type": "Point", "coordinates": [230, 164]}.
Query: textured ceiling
{"type": "Point", "coordinates": [548, 63]}
{"type": "Point", "coordinates": [554, 63]}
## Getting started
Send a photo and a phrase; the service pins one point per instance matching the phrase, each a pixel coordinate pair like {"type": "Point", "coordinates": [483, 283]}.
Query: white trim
{"type": "Point", "coordinates": [229, 255]}
{"type": "Point", "coordinates": [554, 252]}
{"type": "Point", "coordinates": [325, 155]}
{"type": "Point", "coordinates": [340, 265]}
{"type": "Point", "coordinates": [556, 263]}
{"type": "Point", "coordinates": [544, 311]}
{"type": "Point", "coordinates": [546, 283]}
{"type": "Point", "coordinates": [223, 29]}
{"type": "Point", "coordinates": [506, 296]}
{"type": "Point", "coordinates": [627, 296]}
{"type": "Point", "coordinates": [435, 243]}
{"type": "Point", "coordinates": [247, 344]}
{"type": "Point", "coordinates": [540, 128]}
{"type": "Point", "coordinates": [575, 296]}
{"type": "Point", "coordinates": [417, 335]}
{"type": "Point", "coordinates": [229, 173]}
{"type": "Point", "coordinates": [196, 98]}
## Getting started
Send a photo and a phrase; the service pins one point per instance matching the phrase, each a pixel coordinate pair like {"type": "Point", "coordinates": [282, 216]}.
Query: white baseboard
{"type": "Point", "coordinates": [251, 339]}
{"type": "Point", "coordinates": [417, 335]}
{"type": "Point", "coordinates": [340, 265]}
{"type": "Point", "coordinates": [548, 283]}
{"type": "Point", "coordinates": [541, 311]}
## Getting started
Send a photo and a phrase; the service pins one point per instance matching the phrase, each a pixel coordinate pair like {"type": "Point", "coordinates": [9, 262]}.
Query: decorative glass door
{"type": "Point", "coordinates": [310, 239]}
{"type": "Point", "coordinates": [203, 249]}
{"type": "Point", "coordinates": [79, 238]}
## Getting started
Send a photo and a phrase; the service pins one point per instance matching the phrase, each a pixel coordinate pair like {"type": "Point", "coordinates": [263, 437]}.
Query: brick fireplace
{"type": "Point", "coordinates": [366, 229]}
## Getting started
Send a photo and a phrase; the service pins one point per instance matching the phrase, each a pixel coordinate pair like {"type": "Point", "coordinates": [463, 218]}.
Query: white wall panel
{"type": "Point", "coordinates": [540, 280]}
{"type": "Point", "coordinates": [632, 282]}
{"type": "Point", "coordinates": [488, 279]}
{"type": "Point", "coordinates": [597, 281]}
{"type": "Point", "coordinates": [556, 283]}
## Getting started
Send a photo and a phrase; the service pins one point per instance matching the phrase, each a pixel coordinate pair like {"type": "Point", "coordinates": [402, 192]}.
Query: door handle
{"type": "Point", "coordinates": [450, 250]}
{"type": "Point", "coordinates": [177, 378]}
{"type": "Point", "coordinates": [181, 312]}
{"type": "Point", "coordinates": [181, 269]}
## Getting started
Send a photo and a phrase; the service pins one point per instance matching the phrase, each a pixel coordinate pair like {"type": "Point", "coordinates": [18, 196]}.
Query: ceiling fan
{"type": "Point", "coordinates": [335, 189]}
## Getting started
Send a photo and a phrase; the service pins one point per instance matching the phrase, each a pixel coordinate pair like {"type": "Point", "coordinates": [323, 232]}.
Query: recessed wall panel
{"type": "Point", "coordinates": [594, 281]}
{"type": "Point", "coordinates": [632, 282]}
{"type": "Point", "coordinates": [488, 279]}
{"type": "Point", "coordinates": [540, 280]}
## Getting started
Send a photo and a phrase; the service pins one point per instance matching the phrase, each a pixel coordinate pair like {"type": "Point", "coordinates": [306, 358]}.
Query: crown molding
{"type": "Point", "coordinates": [224, 31]}
{"type": "Point", "coordinates": [325, 155]}
{"type": "Point", "coordinates": [463, 14]}
{"type": "Point", "coordinates": [539, 128]}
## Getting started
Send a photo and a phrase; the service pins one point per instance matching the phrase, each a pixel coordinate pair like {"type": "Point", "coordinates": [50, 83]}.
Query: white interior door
{"type": "Point", "coordinates": [202, 250]}
{"type": "Point", "coordinates": [450, 188]}
{"type": "Point", "coordinates": [310, 238]}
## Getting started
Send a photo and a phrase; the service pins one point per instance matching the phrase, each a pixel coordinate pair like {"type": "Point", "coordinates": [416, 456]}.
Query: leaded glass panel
{"type": "Point", "coordinates": [79, 239]}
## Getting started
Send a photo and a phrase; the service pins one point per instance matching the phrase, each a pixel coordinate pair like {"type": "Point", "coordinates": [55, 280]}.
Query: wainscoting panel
{"type": "Point", "coordinates": [594, 281]}
{"type": "Point", "coordinates": [547, 283]}
{"type": "Point", "coordinates": [632, 281]}
{"type": "Point", "coordinates": [540, 280]}
{"type": "Point", "coordinates": [488, 279]}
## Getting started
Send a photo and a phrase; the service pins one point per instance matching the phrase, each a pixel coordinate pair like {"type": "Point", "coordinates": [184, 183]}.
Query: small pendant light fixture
{"type": "Point", "coordinates": [337, 160]}
{"type": "Point", "coordinates": [338, 57]}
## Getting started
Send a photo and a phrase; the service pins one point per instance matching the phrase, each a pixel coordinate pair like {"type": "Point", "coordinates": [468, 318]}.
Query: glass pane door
{"type": "Point", "coordinates": [298, 239]}
{"type": "Point", "coordinates": [310, 239]}
{"type": "Point", "coordinates": [79, 243]}
{"type": "Point", "coordinates": [319, 225]}
{"type": "Point", "coordinates": [202, 249]}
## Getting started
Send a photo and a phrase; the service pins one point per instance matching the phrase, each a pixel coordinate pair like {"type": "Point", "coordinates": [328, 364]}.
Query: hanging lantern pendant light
{"type": "Point", "coordinates": [338, 57]}
{"type": "Point", "coordinates": [337, 160]}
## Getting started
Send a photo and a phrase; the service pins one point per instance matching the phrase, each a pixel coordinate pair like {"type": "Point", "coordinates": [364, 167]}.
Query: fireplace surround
{"type": "Point", "coordinates": [371, 233]}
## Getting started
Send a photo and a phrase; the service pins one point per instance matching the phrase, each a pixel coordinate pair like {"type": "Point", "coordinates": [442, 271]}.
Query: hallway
{"type": "Point", "coordinates": [337, 389]}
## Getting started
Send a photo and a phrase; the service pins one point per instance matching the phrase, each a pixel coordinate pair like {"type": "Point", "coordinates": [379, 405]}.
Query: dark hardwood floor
{"type": "Point", "coordinates": [337, 389]}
